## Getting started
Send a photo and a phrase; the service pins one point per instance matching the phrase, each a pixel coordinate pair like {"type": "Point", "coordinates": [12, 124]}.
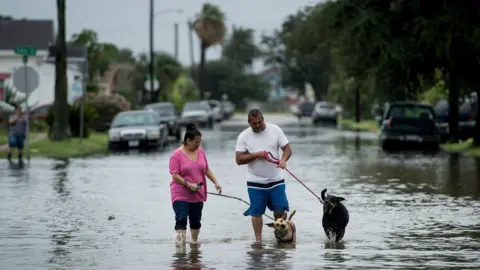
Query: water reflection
{"type": "Point", "coordinates": [453, 181]}
{"type": "Point", "coordinates": [61, 177]}
{"type": "Point", "coordinates": [187, 260]}
{"type": "Point", "coordinates": [261, 257]}
{"type": "Point", "coordinates": [61, 251]}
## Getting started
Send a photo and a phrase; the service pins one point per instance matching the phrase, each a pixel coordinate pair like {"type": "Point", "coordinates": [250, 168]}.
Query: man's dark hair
{"type": "Point", "coordinates": [254, 113]}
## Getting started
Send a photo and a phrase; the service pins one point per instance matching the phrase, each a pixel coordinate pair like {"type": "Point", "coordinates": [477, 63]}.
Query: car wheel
{"type": "Point", "coordinates": [110, 147]}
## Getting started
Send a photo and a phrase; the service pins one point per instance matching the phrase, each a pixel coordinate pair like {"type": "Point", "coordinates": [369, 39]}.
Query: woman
{"type": "Point", "coordinates": [188, 167]}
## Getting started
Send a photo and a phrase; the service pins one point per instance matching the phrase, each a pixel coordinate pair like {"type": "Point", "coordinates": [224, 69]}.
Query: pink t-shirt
{"type": "Point", "coordinates": [193, 172]}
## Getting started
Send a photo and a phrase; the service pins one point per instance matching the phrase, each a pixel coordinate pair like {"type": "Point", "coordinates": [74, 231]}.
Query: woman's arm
{"type": "Point", "coordinates": [210, 176]}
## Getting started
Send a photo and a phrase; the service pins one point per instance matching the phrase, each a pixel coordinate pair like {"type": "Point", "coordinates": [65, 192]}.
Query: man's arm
{"type": "Point", "coordinates": [243, 158]}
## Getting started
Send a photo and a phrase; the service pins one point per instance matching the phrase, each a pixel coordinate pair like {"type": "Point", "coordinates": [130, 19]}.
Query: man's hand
{"type": "Point", "coordinates": [282, 164]}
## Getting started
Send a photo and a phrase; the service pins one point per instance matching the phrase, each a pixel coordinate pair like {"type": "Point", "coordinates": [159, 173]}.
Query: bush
{"type": "Point", "coordinates": [38, 126]}
{"type": "Point", "coordinates": [106, 107]}
{"type": "Point", "coordinates": [74, 119]}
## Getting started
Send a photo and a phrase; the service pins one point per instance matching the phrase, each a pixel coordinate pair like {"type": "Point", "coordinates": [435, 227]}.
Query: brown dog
{"type": "Point", "coordinates": [285, 230]}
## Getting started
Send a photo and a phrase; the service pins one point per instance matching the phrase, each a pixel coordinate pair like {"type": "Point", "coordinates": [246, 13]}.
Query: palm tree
{"type": "Point", "coordinates": [210, 28]}
{"type": "Point", "coordinates": [60, 125]}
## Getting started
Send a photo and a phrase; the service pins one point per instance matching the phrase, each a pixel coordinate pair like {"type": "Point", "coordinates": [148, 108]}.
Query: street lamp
{"type": "Point", "coordinates": [152, 16]}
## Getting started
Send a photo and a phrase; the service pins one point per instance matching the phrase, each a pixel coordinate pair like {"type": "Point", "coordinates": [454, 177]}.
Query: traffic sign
{"type": "Point", "coordinates": [156, 85]}
{"type": "Point", "coordinates": [25, 50]}
{"type": "Point", "coordinates": [26, 79]}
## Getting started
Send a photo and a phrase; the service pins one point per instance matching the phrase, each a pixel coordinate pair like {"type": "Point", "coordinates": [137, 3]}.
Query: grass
{"type": "Point", "coordinates": [466, 147]}
{"type": "Point", "coordinates": [96, 143]}
{"type": "Point", "coordinates": [365, 126]}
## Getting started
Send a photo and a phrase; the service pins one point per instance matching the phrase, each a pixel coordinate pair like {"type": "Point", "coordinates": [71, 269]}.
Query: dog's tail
{"type": "Point", "coordinates": [323, 194]}
{"type": "Point", "coordinates": [292, 214]}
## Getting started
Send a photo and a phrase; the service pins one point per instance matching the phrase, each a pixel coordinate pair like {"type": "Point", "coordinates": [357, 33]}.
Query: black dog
{"type": "Point", "coordinates": [335, 216]}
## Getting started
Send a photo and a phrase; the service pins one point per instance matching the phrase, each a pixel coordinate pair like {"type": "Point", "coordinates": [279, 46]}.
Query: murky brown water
{"type": "Point", "coordinates": [406, 211]}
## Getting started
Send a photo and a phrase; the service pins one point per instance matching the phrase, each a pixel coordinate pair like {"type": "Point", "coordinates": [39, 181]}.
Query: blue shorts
{"type": "Point", "coordinates": [271, 195]}
{"type": "Point", "coordinates": [15, 141]}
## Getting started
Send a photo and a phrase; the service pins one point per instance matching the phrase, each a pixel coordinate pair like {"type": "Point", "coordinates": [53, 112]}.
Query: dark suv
{"type": "Point", "coordinates": [466, 119]}
{"type": "Point", "coordinates": [168, 116]}
{"type": "Point", "coordinates": [409, 124]}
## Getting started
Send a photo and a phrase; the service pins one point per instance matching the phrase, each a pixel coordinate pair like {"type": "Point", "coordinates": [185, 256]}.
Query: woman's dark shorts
{"type": "Point", "coordinates": [186, 210]}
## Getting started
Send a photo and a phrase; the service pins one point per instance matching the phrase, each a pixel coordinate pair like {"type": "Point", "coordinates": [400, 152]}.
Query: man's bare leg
{"type": "Point", "coordinates": [257, 223]}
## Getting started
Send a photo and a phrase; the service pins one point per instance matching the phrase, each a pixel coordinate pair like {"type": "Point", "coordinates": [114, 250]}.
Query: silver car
{"type": "Point", "coordinates": [198, 112]}
{"type": "Point", "coordinates": [325, 112]}
{"type": "Point", "coordinates": [137, 129]}
{"type": "Point", "coordinates": [217, 110]}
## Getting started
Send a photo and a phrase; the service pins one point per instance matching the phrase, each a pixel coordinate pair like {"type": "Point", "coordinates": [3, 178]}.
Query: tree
{"type": "Point", "coordinates": [60, 125]}
{"type": "Point", "coordinates": [240, 48]}
{"type": "Point", "coordinates": [210, 28]}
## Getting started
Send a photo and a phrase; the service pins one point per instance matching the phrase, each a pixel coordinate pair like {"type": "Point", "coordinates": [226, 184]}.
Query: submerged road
{"type": "Point", "coordinates": [407, 210]}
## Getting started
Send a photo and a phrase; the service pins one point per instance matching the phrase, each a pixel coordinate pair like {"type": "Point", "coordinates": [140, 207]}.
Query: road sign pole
{"type": "Point", "coordinates": [27, 118]}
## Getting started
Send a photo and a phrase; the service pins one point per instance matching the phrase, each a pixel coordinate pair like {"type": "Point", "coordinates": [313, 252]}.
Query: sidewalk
{"type": "Point", "coordinates": [38, 137]}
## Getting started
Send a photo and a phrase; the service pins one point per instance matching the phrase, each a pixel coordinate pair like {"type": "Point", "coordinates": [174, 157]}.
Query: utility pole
{"type": "Point", "coordinates": [190, 41]}
{"type": "Point", "coordinates": [175, 29]}
{"type": "Point", "coordinates": [151, 64]}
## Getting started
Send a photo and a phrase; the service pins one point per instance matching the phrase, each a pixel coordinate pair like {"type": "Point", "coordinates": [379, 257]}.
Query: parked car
{"type": "Point", "coordinates": [217, 110]}
{"type": "Point", "coordinates": [466, 120]}
{"type": "Point", "coordinates": [137, 129]}
{"type": "Point", "coordinates": [40, 112]}
{"type": "Point", "coordinates": [198, 112]}
{"type": "Point", "coordinates": [304, 109]}
{"type": "Point", "coordinates": [168, 116]}
{"type": "Point", "coordinates": [407, 124]}
{"type": "Point", "coordinates": [228, 109]}
{"type": "Point", "coordinates": [325, 111]}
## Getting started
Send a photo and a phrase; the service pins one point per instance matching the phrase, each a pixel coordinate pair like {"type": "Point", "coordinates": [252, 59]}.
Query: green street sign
{"type": "Point", "coordinates": [25, 50]}
{"type": "Point", "coordinates": [154, 76]}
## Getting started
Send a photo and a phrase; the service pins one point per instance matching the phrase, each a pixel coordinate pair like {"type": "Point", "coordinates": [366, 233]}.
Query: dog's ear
{"type": "Point", "coordinates": [340, 199]}
{"type": "Point", "coordinates": [270, 224]}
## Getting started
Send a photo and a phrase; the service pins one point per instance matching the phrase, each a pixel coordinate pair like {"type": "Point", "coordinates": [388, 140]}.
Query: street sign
{"type": "Point", "coordinates": [148, 76]}
{"type": "Point", "coordinates": [26, 79]}
{"type": "Point", "coordinates": [25, 50]}
{"type": "Point", "coordinates": [76, 91]}
{"type": "Point", "coordinates": [156, 85]}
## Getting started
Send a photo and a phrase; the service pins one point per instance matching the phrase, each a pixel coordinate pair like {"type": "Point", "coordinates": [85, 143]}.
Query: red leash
{"type": "Point", "coordinates": [270, 158]}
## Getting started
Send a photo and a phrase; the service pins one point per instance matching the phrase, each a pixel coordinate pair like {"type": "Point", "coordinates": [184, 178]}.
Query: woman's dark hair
{"type": "Point", "coordinates": [191, 132]}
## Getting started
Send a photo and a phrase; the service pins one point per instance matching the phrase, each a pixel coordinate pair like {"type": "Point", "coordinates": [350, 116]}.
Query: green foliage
{"type": "Point", "coordinates": [74, 115]}
{"type": "Point", "coordinates": [240, 48]}
{"type": "Point", "coordinates": [39, 126]}
{"type": "Point", "coordinates": [183, 90]}
{"type": "Point", "coordinates": [106, 107]}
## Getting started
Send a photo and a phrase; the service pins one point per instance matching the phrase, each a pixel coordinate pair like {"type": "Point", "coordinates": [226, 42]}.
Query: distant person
{"type": "Point", "coordinates": [17, 133]}
{"type": "Point", "coordinates": [265, 183]}
{"type": "Point", "coordinates": [188, 167]}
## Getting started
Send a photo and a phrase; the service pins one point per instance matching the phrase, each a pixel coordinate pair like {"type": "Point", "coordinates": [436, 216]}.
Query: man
{"type": "Point", "coordinates": [265, 183]}
{"type": "Point", "coordinates": [17, 133]}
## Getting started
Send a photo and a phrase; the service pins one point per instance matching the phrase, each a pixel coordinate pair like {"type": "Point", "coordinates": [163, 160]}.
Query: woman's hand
{"type": "Point", "coordinates": [192, 187]}
{"type": "Point", "coordinates": [219, 188]}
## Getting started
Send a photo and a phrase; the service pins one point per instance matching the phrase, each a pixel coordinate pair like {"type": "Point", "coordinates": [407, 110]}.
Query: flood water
{"type": "Point", "coordinates": [407, 210]}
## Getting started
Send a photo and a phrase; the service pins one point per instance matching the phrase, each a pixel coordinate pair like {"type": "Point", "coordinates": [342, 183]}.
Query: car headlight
{"type": "Point", "coordinates": [171, 122]}
{"type": "Point", "coordinates": [153, 134]}
{"type": "Point", "coordinates": [114, 135]}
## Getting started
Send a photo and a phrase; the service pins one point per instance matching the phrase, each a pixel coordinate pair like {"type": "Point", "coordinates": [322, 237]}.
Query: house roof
{"type": "Point", "coordinates": [36, 33]}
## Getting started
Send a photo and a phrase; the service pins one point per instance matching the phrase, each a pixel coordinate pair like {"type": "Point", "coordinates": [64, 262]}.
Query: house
{"type": "Point", "coordinates": [273, 77]}
{"type": "Point", "coordinates": [39, 34]}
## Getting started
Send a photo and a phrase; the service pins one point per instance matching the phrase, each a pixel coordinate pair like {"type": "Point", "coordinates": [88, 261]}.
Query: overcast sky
{"type": "Point", "coordinates": [125, 22]}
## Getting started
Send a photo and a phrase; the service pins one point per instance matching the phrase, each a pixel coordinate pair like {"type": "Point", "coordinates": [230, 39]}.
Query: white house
{"type": "Point", "coordinates": [39, 34]}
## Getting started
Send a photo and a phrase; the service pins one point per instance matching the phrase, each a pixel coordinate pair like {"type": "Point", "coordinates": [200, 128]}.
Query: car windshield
{"type": "Point", "coordinates": [133, 119]}
{"type": "Point", "coordinates": [163, 110]}
{"type": "Point", "coordinates": [411, 111]}
{"type": "Point", "coordinates": [195, 106]}
{"type": "Point", "coordinates": [327, 106]}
